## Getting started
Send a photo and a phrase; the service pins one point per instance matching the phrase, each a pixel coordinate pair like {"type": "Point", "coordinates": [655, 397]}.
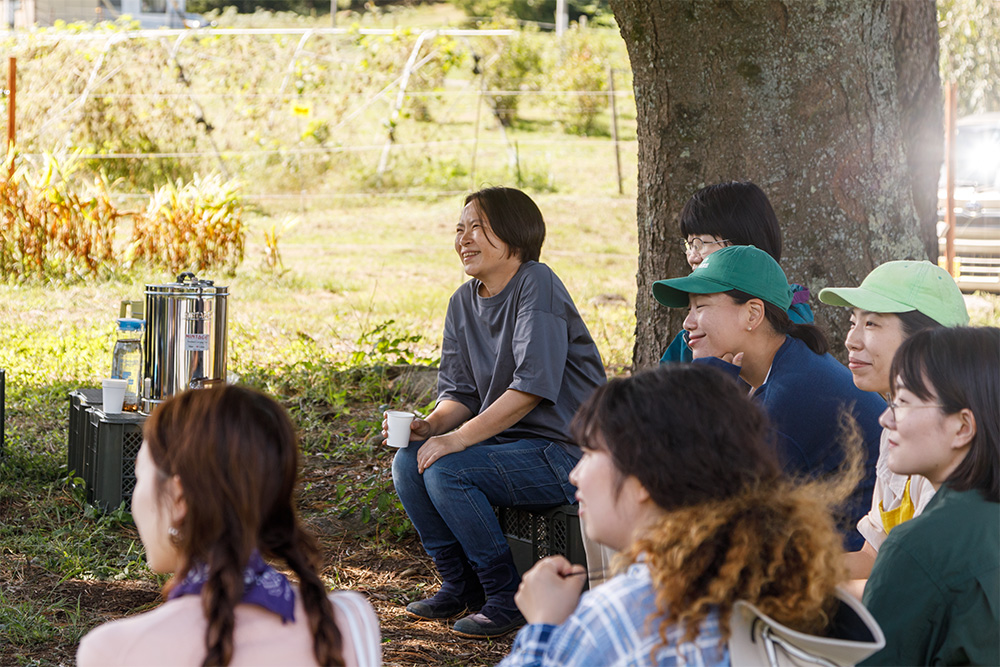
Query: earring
{"type": "Point", "coordinates": [749, 328]}
{"type": "Point", "coordinates": [175, 535]}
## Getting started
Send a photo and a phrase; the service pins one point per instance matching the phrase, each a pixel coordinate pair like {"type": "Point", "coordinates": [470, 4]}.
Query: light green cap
{"type": "Point", "coordinates": [902, 286]}
{"type": "Point", "coordinates": [744, 268]}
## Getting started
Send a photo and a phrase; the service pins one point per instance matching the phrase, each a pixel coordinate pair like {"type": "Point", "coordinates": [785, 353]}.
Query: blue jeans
{"type": "Point", "coordinates": [451, 502]}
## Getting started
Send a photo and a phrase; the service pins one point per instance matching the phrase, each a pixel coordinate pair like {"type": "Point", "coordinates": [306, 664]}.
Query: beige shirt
{"type": "Point", "coordinates": [173, 634]}
{"type": "Point", "coordinates": [889, 491]}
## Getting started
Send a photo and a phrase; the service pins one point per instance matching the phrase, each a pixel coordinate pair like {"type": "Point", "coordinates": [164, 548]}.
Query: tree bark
{"type": "Point", "coordinates": [918, 86]}
{"type": "Point", "coordinates": [801, 98]}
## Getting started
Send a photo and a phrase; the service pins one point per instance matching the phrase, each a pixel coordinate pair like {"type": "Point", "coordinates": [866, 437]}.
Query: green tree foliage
{"type": "Point", "coordinates": [581, 72]}
{"type": "Point", "coordinates": [970, 52]}
{"type": "Point", "coordinates": [533, 10]}
{"type": "Point", "coordinates": [509, 64]}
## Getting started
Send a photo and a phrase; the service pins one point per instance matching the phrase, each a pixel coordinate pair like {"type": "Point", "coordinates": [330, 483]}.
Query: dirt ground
{"type": "Point", "coordinates": [388, 572]}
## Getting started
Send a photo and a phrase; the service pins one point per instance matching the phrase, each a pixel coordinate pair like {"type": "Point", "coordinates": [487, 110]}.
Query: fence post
{"type": "Point", "coordinates": [950, 111]}
{"type": "Point", "coordinates": [475, 139]}
{"type": "Point", "coordinates": [614, 127]}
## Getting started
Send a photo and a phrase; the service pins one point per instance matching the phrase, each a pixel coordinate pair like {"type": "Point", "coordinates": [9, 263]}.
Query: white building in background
{"type": "Point", "coordinates": [149, 13]}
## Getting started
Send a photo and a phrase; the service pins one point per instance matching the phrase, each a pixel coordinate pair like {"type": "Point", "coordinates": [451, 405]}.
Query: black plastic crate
{"type": "Point", "coordinates": [112, 443]}
{"type": "Point", "coordinates": [80, 401]}
{"type": "Point", "coordinates": [533, 535]}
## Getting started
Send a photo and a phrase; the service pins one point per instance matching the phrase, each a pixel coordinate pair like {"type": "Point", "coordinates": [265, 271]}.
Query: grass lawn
{"type": "Point", "coordinates": [309, 336]}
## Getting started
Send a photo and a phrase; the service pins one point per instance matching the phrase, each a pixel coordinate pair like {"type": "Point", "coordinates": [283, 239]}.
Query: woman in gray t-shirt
{"type": "Point", "coordinates": [516, 362]}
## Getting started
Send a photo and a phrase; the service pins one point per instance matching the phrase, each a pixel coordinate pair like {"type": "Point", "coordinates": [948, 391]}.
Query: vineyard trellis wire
{"type": "Point", "coordinates": [318, 112]}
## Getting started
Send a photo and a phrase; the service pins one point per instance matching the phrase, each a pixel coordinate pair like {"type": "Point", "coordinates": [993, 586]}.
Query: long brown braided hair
{"type": "Point", "coordinates": [236, 454]}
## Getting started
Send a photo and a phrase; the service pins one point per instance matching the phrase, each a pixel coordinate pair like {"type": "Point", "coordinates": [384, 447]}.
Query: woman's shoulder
{"type": "Point", "coordinates": [359, 626]}
{"type": "Point", "coordinates": [537, 274]}
{"type": "Point", "coordinates": [797, 361]}
{"type": "Point", "coordinates": [957, 533]}
{"type": "Point", "coordinates": [147, 638]}
{"type": "Point", "coordinates": [354, 609]}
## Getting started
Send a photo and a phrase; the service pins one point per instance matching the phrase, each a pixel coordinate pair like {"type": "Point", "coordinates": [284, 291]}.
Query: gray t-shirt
{"type": "Point", "coordinates": [529, 337]}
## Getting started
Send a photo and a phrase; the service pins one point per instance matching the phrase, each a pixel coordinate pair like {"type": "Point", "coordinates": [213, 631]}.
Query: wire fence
{"type": "Point", "coordinates": [320, 113]}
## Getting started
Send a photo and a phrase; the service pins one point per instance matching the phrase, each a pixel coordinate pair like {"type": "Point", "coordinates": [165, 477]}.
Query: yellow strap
{"type": "Point", "coordinates": [901, 514]}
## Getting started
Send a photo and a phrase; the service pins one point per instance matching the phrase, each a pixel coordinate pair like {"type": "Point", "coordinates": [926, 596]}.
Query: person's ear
{"type": "Point", "coordinates": [966, 428]}
{"type": "Point", "coordinates": [637, 490]}
{"type": "Point", "coordinates": [178, 503]}
{"type": "Point", "coordinates": [754, 313]}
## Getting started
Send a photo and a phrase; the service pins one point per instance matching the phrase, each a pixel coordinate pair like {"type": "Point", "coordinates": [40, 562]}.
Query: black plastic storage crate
{"type": "Point", "coordinates": [112, 444]}
{"type": "Point", "coordinates": [533, 535]}
{"type": "Point", "coordinates": [80, 401]}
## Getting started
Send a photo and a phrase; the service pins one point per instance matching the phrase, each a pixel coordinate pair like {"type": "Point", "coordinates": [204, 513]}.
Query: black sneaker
{"type": "Point", "coordinates": [489, 623]}
{"type": "Point", "coordinates": [442, 606]}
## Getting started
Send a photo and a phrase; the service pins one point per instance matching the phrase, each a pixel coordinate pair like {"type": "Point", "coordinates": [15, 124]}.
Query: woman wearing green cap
{"type": "Point", "coordinates": [727, 214]}
{"type": "Point", "coordinates": [737, 301]}
{"type": "Point", "coordinates": [895, 301]}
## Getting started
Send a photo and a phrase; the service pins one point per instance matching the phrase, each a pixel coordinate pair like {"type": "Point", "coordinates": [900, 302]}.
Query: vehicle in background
{"type": "Point", "coordinates": [977, 204]}
{"type": "Point", "coordinates": [149, 13]}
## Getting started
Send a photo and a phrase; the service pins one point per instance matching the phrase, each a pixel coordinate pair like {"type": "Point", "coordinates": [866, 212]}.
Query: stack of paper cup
{"type": "Point", "coordinates": [114, 395]}
{"type": "Point", "coordinates": [399, 427]}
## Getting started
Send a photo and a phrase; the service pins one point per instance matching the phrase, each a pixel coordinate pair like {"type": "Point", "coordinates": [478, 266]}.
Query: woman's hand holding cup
{"type": "Point", "coordinates": [418, 429]}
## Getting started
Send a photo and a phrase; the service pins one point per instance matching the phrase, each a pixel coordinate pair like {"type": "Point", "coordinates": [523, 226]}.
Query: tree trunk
{"type": "Point", "coordinates": [801, 98]}
{"type": "Point", "coordinates": [918, 86]}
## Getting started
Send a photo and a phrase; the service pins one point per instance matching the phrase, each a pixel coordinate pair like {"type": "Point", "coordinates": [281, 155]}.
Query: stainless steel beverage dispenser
{"type": "Point", "coordinates": [185, 343]}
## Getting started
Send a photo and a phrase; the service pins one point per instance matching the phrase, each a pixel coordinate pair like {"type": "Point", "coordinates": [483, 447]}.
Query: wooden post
{"type": "Point", "coordinates": [950, 110]}
{"type": "Point", "coordinates": [614, 127]}
{"type": "Point", "coordinates": [475, 138]}
{"type": "Point", "coordinates": [562, 17]}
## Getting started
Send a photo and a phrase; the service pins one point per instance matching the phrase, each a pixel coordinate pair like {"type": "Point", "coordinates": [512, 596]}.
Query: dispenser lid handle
{"type": "Point", "coordinates": [187, 275]}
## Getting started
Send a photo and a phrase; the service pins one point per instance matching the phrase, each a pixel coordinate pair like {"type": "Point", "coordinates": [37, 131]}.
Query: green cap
{"type": "Point", "coordinates": [899, 287]}
{"type": "Point", "coordinates": [739, 267]}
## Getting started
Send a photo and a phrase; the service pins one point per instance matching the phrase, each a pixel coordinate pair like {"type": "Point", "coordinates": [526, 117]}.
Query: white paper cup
{"type": "Point", "coordinates": [113, 395]}
{"type": "Point", "coordinates": [399, 427]}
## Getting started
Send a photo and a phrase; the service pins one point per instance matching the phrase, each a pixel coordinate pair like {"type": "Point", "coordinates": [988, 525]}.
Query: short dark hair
{"type": "Point", "coordinates": [809, 334]}
{"type": "Point", "coordinates": [738, 211]}
{"type": "Point", "coordinates": [687, 432]}
{"type": "Point", "coordinates": [514, 218]}
{"type": "Point", "coordinates": [913, 321]}
{"type": "Point", "coordinates": [962, 366]}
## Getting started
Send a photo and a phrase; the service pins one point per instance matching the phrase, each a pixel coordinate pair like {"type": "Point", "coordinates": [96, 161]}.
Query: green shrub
{"type": "Point", "coordinates": [193, 226]}
{"type": "Point", "coordinates": [510, 64]}
{"type": "Point", "coordinates": [580, 71]}
{"type": "Point", "coordinates": [55, 226]}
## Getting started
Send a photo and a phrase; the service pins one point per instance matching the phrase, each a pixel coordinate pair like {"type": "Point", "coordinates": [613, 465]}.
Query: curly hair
{"type": "Point", "coordinates": [236, 454]}
{"type": "Point", "coordinates": [733, 526]}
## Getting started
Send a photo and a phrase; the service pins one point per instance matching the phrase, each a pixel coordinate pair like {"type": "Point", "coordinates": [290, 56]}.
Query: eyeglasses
{"type": "Point", "coordinates": [895, 406]}
{"type": "Point", "coordinates": [698, 245]}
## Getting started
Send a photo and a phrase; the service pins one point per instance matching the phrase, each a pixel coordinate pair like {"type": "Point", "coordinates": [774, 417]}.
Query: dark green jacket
{"type": "Point", "coordinates": [935, 587]}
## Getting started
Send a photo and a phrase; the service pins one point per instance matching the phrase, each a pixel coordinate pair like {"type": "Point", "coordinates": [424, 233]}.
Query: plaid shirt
{"type": "Point", "coordinates": [616, 624]}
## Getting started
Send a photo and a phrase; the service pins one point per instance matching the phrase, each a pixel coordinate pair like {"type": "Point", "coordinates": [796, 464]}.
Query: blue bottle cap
{"type": "Point", "coordinates": [130, 324]}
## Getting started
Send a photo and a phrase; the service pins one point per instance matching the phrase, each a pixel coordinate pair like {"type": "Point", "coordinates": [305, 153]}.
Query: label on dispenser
{"type": "Point", "coordinates": [196, 342]}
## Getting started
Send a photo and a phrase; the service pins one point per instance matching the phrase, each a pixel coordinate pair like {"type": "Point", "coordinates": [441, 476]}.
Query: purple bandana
{"type": "Point", "coordinates": [262, 585]}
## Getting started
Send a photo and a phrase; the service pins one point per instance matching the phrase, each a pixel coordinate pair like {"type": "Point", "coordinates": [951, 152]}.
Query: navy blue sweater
{"type": "Point", "coordinates": [804, 394]}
